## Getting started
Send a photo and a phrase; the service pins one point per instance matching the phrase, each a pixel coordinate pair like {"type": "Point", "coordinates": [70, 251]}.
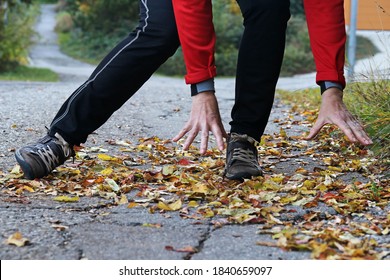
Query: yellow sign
{"type": "Point", "coordinates": [372, 14]}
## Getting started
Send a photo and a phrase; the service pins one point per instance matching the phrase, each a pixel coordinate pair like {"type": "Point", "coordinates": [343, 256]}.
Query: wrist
{"type": "Point", "coordinates": [332, 93]}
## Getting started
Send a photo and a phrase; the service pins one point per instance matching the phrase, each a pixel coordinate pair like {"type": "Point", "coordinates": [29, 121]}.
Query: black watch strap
{"type": "Point", "coordinates": [207, 85]}
{"type": "Point", "coordinates": [324, 85]}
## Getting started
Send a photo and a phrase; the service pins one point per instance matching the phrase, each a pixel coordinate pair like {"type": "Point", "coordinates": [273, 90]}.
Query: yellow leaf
{"type": "Point", "coordinates": [302, 170]}
{"type": "Point", "coordinates": [334, 168]}
{"type": "Point", "coordinates": [288, 199]}
{"type": "Point", "coordinates": [309, 184]}
{"type": "Point", "coordinates": [17, 239]}
{"type": "Point", "coordinates": [107, 171]}
{"type": "Point", "coordinates": [123, 200]}
{"type": "Point", "coordinates": [193, 204]}
{"type": "Point", "coordinates": [29, 189]}
{"type": "Point", "coordinates": [66, 199]}
{"type": "Point", "coordinates": [243, 218]}
{"type": "Point", "coordinates": [274, 220]}
{"type": "Point", "coordinates": [132, 205]}
{"type": "Point", "coordinates": [208, 213]}
{"type": "Point", "coordinates": [274, 152]}
{"type": "Point", "coordinates": [283, 133]}
{"type": "Point", "coordinates": [152, 225]}
{"type": "Point", "coordinates": [277, 179]}
{"type": "Point", "coordinates": [16, 170]}
{"type": "Point", "coordinates": [105, 157]}
{"type": "Point", "coordinates": [170, 207]}
{"type": "Point", "coordinates": [215, 203]}
{"type": "Point", "coordinates": [200, 188]}
{"type": "Point", "coordinates": [161, 205]}
{"type": "Point", "coordinates": [175, 205]}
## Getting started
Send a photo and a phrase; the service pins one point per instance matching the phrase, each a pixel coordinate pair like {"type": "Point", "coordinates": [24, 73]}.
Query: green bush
{"type": "Point", "coordinates": [64, 22]}
{"type": "Point", "coordinates": [16, 32]}
{"type": "Point", "coordinates": [94, 31]}
{"type": "Point", "coordinates": [298, 58]}
{"type": "Point", "coordinates": [174, 66]}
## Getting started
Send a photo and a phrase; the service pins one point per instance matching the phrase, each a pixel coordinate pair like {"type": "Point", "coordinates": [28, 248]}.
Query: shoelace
{"type": "Point", "coordinates": [48, 157]}
{"type": "Point", "coordinates": [244, 155]}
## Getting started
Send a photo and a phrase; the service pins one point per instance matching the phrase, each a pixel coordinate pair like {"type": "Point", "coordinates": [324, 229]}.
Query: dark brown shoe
{"type": "Point", "coordinates": [241, 157]}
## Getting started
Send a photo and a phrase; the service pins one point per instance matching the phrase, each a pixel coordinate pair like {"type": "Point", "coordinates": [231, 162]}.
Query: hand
{"type": "Point", "coordinates": [334, 111]}
{"type": "Point", "coordinates": [204, 117]}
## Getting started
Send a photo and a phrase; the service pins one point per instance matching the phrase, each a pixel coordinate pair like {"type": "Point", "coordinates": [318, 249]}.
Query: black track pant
{"type": "Point", "coordinates": [120, 74]}
{"type": "Point", "coordinates": [259, 61]}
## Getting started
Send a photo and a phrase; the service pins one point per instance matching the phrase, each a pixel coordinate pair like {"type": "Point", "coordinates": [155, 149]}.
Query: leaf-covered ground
{"type": "Point", "coordinates": [328, 196]}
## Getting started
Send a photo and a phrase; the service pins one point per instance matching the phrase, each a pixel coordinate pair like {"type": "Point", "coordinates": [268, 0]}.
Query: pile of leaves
{"type": "Point", "coordinates": [328, 196]}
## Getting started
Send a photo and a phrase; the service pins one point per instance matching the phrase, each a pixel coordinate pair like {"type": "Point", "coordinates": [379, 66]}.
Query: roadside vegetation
{"type": "Point", "coordinates": [17, 35]}
{"type": "Point", "coordinates": [369, 102]}
{"type": "Point", "coordinates": [25, 73]}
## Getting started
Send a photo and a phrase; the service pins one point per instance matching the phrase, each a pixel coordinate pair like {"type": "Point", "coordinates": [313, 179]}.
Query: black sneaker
{"type": "Point", "coordinates": [241, 157]}
{"type": "Point", "coordinates": [39, 159]}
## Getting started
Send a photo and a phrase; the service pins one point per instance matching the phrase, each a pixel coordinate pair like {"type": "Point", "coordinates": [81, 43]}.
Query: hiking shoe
{"type": "Point", "coordinates": [241, 157]}
{"type": "Point", "coordinates": [39, 159]}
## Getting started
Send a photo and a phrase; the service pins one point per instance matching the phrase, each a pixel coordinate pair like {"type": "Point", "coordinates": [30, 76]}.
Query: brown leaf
{"type": "Point", "coordinates": [187, 249]}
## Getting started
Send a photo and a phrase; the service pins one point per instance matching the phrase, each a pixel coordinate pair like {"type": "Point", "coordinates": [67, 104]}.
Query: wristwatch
{"type": "Point", "coordinates": [324, 85]}
{"type": "Point", "coordinates": [207, 85]}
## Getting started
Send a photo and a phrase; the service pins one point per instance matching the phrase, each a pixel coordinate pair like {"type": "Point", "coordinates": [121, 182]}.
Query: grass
{"type": "Point", "coordinates": [24, 73]}
{"type": "Point", "coordinates": [369, 102]}
{"type": "Point", "coordinates": [75, 48]}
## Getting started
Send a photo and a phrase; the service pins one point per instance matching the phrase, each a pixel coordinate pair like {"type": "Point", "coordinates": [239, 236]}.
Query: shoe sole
{"type": "Point", "coordinates": [28, 173]}
{"type": "Point", "coordinates": [241, 176]}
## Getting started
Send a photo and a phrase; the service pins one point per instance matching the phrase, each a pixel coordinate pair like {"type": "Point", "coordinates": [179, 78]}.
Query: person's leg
{"type": "Point", "coordinates": [121, 73]}
{"type": "Point", "coordinates": [259, 61]}
{"type": "Point", "coordinates": [258, 67]}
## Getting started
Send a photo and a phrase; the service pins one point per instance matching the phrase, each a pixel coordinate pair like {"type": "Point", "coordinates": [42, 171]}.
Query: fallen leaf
{"type": "Point", "coordinates": [18, 240]}
{"type": "Point", "coordinates": [170, 207]}
{"type": "Point", "coordinates": [66, 199]}
{"type": "Point", "coordinates": [187, 249]}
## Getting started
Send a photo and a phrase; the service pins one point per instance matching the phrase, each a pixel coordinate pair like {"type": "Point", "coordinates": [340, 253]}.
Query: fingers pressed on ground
{"type": "Point", "coordinates": [204, 141]}
{"type": "Point", "coordinates": [315, 130]}
{"type": "Point", "coordinates": [180, 135]}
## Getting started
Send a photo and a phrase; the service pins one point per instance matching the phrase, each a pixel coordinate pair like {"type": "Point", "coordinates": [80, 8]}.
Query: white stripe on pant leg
{"type": "Point", "coordinates": [145, 3]}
